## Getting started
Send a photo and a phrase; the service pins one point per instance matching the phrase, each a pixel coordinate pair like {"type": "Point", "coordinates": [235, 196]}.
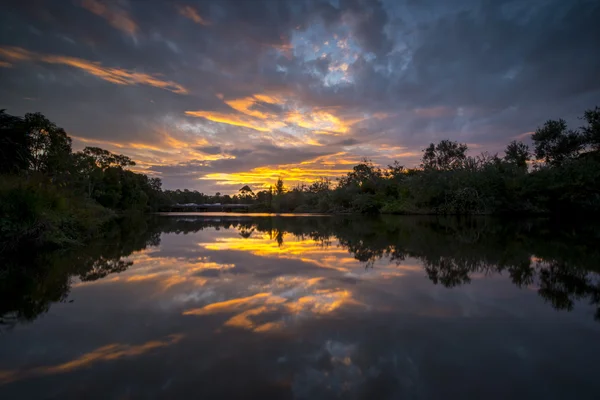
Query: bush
{"type": "Point", "coordinates": [36, 211]}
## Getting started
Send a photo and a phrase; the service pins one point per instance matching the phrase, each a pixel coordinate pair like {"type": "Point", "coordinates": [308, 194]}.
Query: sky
{"type": "Point", "coordinates": [213, 95]}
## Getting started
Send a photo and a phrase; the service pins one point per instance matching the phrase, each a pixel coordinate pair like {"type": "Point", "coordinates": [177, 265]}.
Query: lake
{"type": "Point", "coordinates": [307, 307]}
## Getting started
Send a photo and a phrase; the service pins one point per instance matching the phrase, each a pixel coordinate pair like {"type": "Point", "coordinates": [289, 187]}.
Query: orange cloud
{"type": "Point", "coordinates": [191, 13]}
{"type": "Point", "coordinates": [106, 353]}
{"type": "Point", "coordinates": [235, 304]}
{"type": "Point", "coordinates": [117, 17]}
{"type": "Point", "coordinates": [319, 121]}
{"type": "Point", "coordinates": [269, 175]}
{"type": "Point", "coordinates": [322, 302]}
{"type": "Point", "coordinates": [229, 119]}
{"type": "Point", "coordinates": [117, 76]}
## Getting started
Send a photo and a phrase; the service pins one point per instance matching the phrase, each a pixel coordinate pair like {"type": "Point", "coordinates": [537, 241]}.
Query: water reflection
{"type": "Point", "coordinates": [560, 263]}
{"type": "Point", "coordinates": [311, 307]}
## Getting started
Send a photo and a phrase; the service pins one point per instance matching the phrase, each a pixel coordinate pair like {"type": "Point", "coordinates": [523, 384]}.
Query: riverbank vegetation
{"type": "Point", "coordinates": [561, 174]}
{"type": "Point", "coordinates": [50, 194]}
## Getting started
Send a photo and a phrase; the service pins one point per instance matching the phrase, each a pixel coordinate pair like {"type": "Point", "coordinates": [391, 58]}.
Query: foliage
{"type": "Point", "coordinates": [591, 131]}
{"type": "Point", "coordinates": [52, 196]}
{"type": "Point", "coordinates": [517, 153]}
{"type": "Point", "coordinates": [555, 144]}
{"type": "Point", "coordinates": [565, 179]}
{"type": "Point", "coordinates": [446, 155]}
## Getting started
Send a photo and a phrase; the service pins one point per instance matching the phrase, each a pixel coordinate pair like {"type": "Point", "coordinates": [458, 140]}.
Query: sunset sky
{"type": "Point", "coordinates": [212, 95]}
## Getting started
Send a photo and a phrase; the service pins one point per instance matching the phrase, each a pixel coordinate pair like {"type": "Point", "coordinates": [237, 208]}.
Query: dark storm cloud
{"type": "Point", "coordinates": [210, 149]}
{"type": "Point", "coordinates": [387, 73]}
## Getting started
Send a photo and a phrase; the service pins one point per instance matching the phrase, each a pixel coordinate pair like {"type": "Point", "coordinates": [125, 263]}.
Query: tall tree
{"type": "Point", "coordinates": [517, 153]}
{"type": "Point", "coordinates": [49, 145]}
{"type": "Point", "coordinates": [592, 130]}
{"type": "Point", "coordinates": [14, 150]}
{"type": "Point", "coordinates": [279, 188]}
{"type": "Point", "coordinates": [446, 155]}
{"type": "Point", "coordinates": [555, 144]}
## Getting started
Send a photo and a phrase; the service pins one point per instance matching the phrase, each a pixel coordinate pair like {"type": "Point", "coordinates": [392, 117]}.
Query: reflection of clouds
{"type": "Point", "coordinates": [310, 251]}
{"type": "Point", "coordinates": [334, 373]}
{"type": "Point", "coordinates": [292, 297]}
{"type": "Point", "coordinates": [337, 370]}
{"type": "Point", "coordinates": [260, 284]}
{"type": "Point", "coordinates": [306, 250]}
{"type": "Point", "coordinates": [165, 271]}
{"type": "Point", "coordinates": [109, 352]}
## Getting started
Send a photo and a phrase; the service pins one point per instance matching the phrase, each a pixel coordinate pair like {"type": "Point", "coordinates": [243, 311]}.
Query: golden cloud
{"type": "Point", "coordinates": [246, 309]}
{"type": "Point", "coordinates": [330, 166]}
{"type": "Point", "coordinates": [117, 76]}
{"type": "Point", "coordinates": [109, 352]}
{"type": "Point", "coordinates": [191, 13]}
{"type": "Point", "coordinates": [117, 17]}
{"type": "Point", "coordinates": [246, 113]}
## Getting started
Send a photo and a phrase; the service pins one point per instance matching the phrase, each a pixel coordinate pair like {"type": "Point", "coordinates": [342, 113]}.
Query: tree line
{"type": "Point", "coordinates": [560, 174]}
{"type": "Point", "coordinates": [51, 194]}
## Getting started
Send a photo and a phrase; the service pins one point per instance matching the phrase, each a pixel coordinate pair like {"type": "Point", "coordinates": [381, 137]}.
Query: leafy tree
{"type": "Point", "coordinates": [517, 153]}
{"type": "Point", "coordinates": [446, 155]}
{"type": "Point", "coordinates": [14, 147]}
{"type": "Point", "coordinates": [365, 176]}
{"type": "Point", "coordinates": [279, 187]}
{"type": "Point", "coordinates": [555, 144]}
{"type": "Point", "coordinates": [322, 184]}
{"type": "Point", "coordinates": [592, 130]}
{"type": "Point", "coordinates": [105, 159]}
{"type": "Point", "coordinates": [49, 145]}
{"type": "Point", "coordinates": [245, 190]}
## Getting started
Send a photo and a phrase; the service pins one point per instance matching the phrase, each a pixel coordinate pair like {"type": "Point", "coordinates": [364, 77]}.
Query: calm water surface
{"type": "Point", "coordinates": [212, 306]}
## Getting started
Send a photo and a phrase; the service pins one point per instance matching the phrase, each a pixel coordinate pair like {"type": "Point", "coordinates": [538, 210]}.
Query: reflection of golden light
{"type": "Point", "coordinates": [106, 353]}
{"type": "Point", "coordinates": [322, 302]}
{"type": "Point", "coordinates": [113, 75]}
{"type": "Point", "coordinates": [243, 321]}
{"type": "Point", "coordinates": [247, 309]}
{"type": "Point", "coordinates": [305, 250]}
{"type": "Point", "coordinates": [235, 304]}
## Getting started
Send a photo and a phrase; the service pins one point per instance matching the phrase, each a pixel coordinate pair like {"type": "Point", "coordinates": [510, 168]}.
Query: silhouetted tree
{"type": "Point", "coordinates": [592, 130]}
{"type": "Point", "coordinates": [279, 187]}
{"type": "Point", "coordinates": [554, 143]}
{"type": "Point", "coordinates": [446, 155]}
{"type": "Point", "coordinates": [517, 153]}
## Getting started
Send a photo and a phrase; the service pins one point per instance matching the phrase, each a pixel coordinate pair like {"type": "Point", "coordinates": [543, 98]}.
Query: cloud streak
{"type": "Point", "coordinates": [115, 16]}
{"type": "Point", "coordinates": [117, 76]}
{"type": "Point", "coordinates": [253, 90]}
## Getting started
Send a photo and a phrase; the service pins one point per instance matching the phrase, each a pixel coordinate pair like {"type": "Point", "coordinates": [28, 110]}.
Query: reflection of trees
{"type": "Point", "coordinates": [561, 261]}
{"type": "Point", "coordinates": [31, 282]}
